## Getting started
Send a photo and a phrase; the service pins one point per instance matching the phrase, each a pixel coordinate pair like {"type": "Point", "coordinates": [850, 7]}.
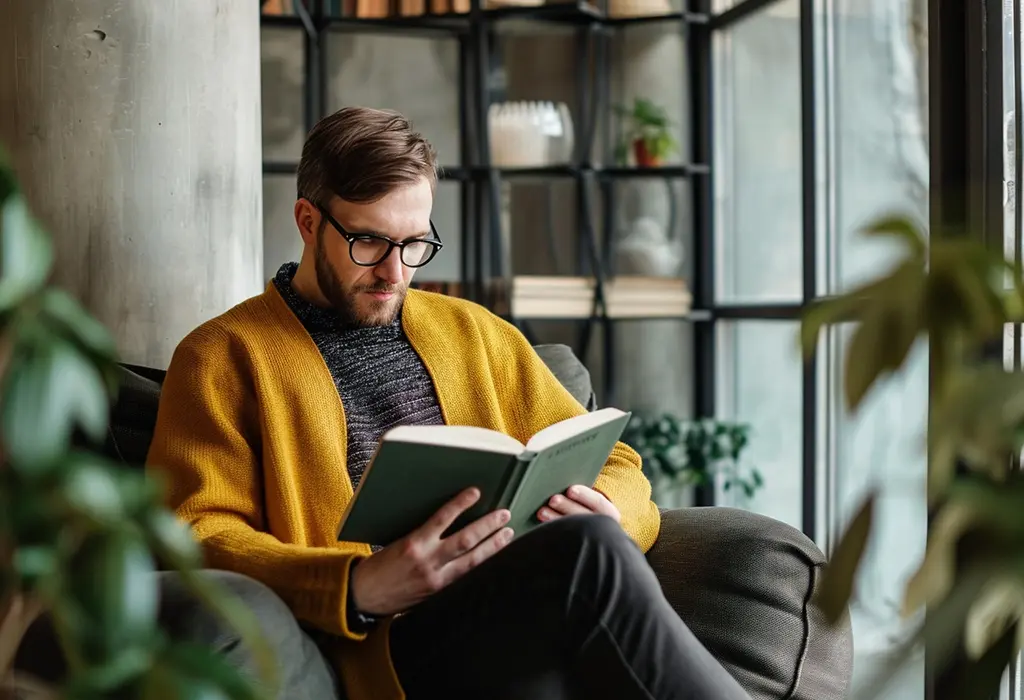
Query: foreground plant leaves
{"type": "Point", "coordinates": [50, 390]}
{"type": "Point", "coordinates": [114, 585]}
{"type": "Point", "coordinates": [77, 533]}
{"type": "Point", "coordinates": [26, 253]}
{"type": "Point", "coordinates": [837, 583]}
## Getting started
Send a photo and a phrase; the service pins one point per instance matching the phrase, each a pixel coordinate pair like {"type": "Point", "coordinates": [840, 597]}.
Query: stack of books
{"type": "Point", "coordinates": [573, 297]}
{"type": "Point", "coordinates": [375, 9]}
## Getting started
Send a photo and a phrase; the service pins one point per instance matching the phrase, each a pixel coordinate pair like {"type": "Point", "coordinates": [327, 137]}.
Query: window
{"type": "Point", "coordinates": [758, 203]}
{"type": "Point", "coordinates": [869, 140]}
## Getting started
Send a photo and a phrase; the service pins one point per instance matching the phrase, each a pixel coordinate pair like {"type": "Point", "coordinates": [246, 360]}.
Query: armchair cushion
{"type": "Point", "coordinates": [744, 584]}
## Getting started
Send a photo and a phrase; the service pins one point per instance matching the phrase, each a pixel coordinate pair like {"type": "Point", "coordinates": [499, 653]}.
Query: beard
{"type": "Point", "coordinates": [346, 301]}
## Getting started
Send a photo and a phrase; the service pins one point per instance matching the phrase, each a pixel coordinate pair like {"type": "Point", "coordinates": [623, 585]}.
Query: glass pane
{"type": "Point", "coordinates": [759, 382]}
{"type": "Point", "coordinates": [281, 66]}
{"type": "Point", "coordinates": [882, 447]}
{"type": "Point", "coordinates": [758, 210]}
{"type": "Point", "coordinates": [877, 64]}
{"type": "Point", "coordinates": [873, 62]}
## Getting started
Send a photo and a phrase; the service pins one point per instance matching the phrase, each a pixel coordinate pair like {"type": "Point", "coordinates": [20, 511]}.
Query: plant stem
{"type": "Point", "coordinates": [17, 613]}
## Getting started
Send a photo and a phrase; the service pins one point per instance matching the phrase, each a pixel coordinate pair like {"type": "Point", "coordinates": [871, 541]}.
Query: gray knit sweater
{"type": "Point", "coordinates": [381, 380]}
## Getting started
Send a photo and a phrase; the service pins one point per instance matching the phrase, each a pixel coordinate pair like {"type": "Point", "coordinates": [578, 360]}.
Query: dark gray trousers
{"type": "Point", "coordinates": [571, 610]}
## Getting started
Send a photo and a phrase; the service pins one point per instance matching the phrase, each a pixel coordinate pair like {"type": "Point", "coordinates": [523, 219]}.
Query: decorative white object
{"type": "Point", "coordinates": [648, 250]}
{"type": "Point", "coordinates": [529, 134]}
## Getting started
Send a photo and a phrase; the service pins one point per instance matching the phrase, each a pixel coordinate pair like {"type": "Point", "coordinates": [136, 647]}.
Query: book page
{"type": "Point", "coordinates": [563, 430]}
{"type": "Point", "coordinates": [462, 436]}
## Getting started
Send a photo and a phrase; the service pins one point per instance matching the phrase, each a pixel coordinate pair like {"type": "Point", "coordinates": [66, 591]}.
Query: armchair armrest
{"type": "Point", "coordinates": [744, 584]}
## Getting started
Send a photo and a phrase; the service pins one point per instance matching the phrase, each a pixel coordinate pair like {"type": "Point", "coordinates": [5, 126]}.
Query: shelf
{"type": "Point", "coordinates": [571, 13]}
{"type": "Point", "coordinates": [667, 171]}
{"type": "Point", "coordinates": [447, 23]}
{"type": "Point", "coordinates": [559, 13]}
{"type": "Point", "coordinates": [564, 171]}
{"type": "Point", "coordinates": [538, 173]}
{"type": "Point", "coordinates": [688, 17]}
{"type": "Point", "coordinates": [280, 167]}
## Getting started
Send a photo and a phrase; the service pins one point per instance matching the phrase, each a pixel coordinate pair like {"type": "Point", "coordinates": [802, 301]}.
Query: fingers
{"type": "Point", "coordinates": [596, 501]}
{"type": "Point", "coordinates": [479, 554]}
{"type": "Point", "coordinates": [447, 514]}
{"type": "Point", "coordinates": [469, 537]}
{"type": "Point", "coordinates": [559, 505]}
{"type": "Point", "coordinates": [578, 500]}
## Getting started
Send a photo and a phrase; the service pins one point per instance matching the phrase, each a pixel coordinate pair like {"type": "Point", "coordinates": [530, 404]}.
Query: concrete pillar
{"type": "Point", "coordinates": [135, 129]}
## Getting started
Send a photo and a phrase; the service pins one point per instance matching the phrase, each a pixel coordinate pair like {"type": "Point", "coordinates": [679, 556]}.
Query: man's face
{"type": "Point", "coordinates": [371, 296]}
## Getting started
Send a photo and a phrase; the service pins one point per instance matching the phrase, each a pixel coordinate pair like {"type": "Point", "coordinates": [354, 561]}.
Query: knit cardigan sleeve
{"type": "Point", "coordinates": [206, 447]}
{"type": "Point", "coordinates": [539, 400]}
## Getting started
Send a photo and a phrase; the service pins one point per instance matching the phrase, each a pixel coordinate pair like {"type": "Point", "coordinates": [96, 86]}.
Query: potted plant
{"type": "Point", "coordinates": [678, 454]}
{"type": "Point", "coordinates": [80, 537]}
{"type": "Point", "coordinates": [959, 296]}
{"type": "Point", "coordinates": [646, 133]}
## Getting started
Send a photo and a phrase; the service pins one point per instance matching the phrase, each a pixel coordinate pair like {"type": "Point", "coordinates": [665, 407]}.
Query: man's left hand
{"type": "Point", "coordinates": [578, 500]}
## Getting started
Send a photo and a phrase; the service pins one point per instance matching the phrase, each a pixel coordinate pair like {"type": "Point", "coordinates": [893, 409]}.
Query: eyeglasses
{"type": "Point", "coordinates": [368, 249]}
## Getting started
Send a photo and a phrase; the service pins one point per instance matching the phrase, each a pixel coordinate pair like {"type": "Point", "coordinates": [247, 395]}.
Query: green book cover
{"type": "Point", "coordinates": [417, 469]}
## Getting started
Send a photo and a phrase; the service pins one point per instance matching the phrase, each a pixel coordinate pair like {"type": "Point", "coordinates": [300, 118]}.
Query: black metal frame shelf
{"type": "Point", "coordinates": [482, 260]}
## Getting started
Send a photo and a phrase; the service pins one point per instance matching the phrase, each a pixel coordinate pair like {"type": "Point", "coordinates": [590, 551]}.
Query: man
{"type": "Point", "coordinates": [270, 413]}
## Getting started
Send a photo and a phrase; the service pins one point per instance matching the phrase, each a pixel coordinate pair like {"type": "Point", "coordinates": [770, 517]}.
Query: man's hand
{"type": "Point", "coordinates": [422, 563]}
{"type": "Point", "coordinates": [578, 500]}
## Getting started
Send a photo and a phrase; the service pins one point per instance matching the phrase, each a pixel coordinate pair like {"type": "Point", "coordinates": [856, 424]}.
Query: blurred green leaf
{"type": "Point", "coordinates": [68, 319]}
{"type": "Point", "coordinates": [123, 668]}
{"type": "Point", "coordinates": [67, 314]}
{"type": "Point", "coordinates": [90, 489]}
{"type": "Point", "coordinates": [26, 253]}
{"type": "Point", "coordinates": [112, 579]}
{"type": "Point", "coordinates": [841, 571]}
{"type": "Point", "coordinates": [166, 682]}
{"type": "Point", "coordinates": [997, 610]}
{"type": "Point", "coordinates": [32, 563]}
{"type": "Point", "coordinates": [172, 539]}
{"type": "Point", "coordinates": [899, 226]}
{"type": "Point", "coordinates": [47, 394]}
{"type": "Point", "coordinates": [938, 636]}
{"type": "Point", "coordinates": [199, 662]}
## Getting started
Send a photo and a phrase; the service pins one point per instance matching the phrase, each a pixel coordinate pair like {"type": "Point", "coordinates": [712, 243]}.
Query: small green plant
{"type": "Point", "coordinates": [80, 536]}
{"type": "Point", "coordinates": [646, 132]}
{"type": "Point", "coordinates": [693, 452]}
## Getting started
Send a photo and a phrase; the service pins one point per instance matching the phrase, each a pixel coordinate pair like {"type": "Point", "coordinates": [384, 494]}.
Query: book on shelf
{"type": "Point", "coordinates": [416, 469]}
{"type": "Point", "coordinates": [540, 296]}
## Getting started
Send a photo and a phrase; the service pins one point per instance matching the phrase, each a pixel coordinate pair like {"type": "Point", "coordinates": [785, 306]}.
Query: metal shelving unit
{"type": "Point", "coordinates": [478, 33]}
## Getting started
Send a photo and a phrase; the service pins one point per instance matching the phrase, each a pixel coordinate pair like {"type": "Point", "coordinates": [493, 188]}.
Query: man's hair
{"type": "Point", "coordinates": [362, 154]}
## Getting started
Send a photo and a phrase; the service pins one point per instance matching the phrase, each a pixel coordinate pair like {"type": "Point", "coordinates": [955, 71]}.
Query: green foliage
{"type": "Point", "coordinates": [958, 295]}
{"type": "Point", "coordinates": [648, 122]}
{"type": "Point", "coordinates": [80, 536]}
{"type": "Point", "coordinates": [693, 452]}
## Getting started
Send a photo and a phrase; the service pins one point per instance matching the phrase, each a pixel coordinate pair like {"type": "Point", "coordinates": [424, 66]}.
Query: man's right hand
{"type": "Point", "coordinates": [422, 563]}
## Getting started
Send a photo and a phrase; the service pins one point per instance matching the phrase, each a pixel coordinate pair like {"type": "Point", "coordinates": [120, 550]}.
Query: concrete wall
{"type": "Point", "coordinates": [115, 114]}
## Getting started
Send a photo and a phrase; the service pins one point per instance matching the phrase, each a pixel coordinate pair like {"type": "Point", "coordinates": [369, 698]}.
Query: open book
{"type": "Point", "coordinates": [417, 469]}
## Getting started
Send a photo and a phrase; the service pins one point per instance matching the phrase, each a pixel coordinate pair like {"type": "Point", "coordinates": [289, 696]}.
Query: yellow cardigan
{"type": "Point", "coordinates": [250, 436]}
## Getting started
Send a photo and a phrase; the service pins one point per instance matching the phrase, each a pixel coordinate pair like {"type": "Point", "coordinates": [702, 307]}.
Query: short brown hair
{"type": "Point", "coordinates": [362, 154]}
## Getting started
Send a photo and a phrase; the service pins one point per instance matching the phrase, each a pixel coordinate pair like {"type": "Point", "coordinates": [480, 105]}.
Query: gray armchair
{"type": "Point", "coordinates": [742, 582]}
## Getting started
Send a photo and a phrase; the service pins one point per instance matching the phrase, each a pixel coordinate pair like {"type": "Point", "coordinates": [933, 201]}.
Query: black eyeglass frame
{"type": "Point", "coordinates": [435, 245]}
